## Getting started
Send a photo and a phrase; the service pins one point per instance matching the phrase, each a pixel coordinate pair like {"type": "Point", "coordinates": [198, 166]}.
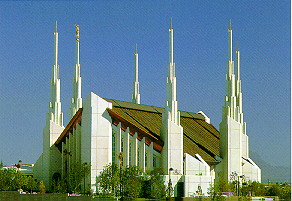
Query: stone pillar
{"type": "Point", "coordinates": [127, 147]}
{"type": "Point", "coordinates": [143, 152]}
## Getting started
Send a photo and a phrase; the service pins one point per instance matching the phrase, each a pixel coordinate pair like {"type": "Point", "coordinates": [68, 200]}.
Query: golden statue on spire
{"type": "Point", "coordinates": [77, 32]}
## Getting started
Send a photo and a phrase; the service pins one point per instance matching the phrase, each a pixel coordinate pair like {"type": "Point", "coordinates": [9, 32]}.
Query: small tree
{"type": "Point", "coordinates": [131, 182]}
{"type": "Point", "coordinates": [215, 191]}
{"type": "Point", "coordinates": [285, 192]}
{"type": "Point", "coordinates": [155, 184]}
{"type": "Point", "coordinates": [74, 178]}
{"type": "Point", "coordinates": [31, 184]}
{"type": "Point", "coordinates": [11, 179]}
{"type": "Point", "coordinates": [169, 190]}
{"type": "Point", "coordinates": [60, 186]}
{"type": "Point", "coordinates": [42, 187]}
{"type": "Point", "coordinates": [109, 181]}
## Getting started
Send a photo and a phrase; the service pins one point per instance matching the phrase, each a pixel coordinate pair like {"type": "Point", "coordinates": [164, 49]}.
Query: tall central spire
{"type": "Point", "coordinates": [136, 94]}
{"type": "Point", "coordinates": [234, 142]}
{"type": "Point", "coordinates": [55, 114]}
{"type": "Point", "coordinates": [233, 98]}
{"type": "Point", "coordinates": [76, 101]}
{"type": "Point", "coordinates": [171, 130]}
{"type": "Point", "coordinates": [171, 103]}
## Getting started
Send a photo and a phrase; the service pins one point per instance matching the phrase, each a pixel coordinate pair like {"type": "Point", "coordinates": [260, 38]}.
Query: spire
{"type": "Point", "coordinates": [76, 101]}
{"type": "Point", "coordinates": [238, 89]}
{"type": "Point", "coordinates": [55, 113]}
{"type": "Point", "coordinates": [229, 42]}
{"type": "Point", "coordinates": [237, 63]}
{"type": "Point", "coordinates": [77, 35]}
{"type": "Point", "coordinates": [171, 103]}
{"type": "Point", "coordinates": [56, 44]}
{"type": "Point", "coordinates": [171, 43]}
{"type": "Point", "coordinates": [136, 94]}
{"type": "Point", "coordinates": [233, 98]}
{"type": "Point", "coordinates": [171, 130]}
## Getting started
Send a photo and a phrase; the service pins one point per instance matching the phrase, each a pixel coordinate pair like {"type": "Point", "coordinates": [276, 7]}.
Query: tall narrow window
{"type": "Point", "coordinates": [130, 153]}
{"type": "Point", "coordinates": [154, 161]}
{"type": "Point", "coordinates": [113, 146]}
{"type": "Point", "coordinates": [146, 158]}
{"type": "Point", "coordinates": [122, 144]}
{"type": "Point", "coordinates": [138, 157]}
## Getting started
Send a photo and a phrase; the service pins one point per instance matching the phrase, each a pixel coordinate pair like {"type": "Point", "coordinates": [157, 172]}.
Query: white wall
{"type": "Point", "coordinates": [43, 169]}
{"type": "Point", "coordinates": [172, 152]}
{"type": "Point", "coordinates": [96, 134]}
{"type": "Point", "coordinates": [198, 175]}
{"type": "Point", "coordinates": [230, 148]}
{"type": "Point", "coordinates": [251, 171]}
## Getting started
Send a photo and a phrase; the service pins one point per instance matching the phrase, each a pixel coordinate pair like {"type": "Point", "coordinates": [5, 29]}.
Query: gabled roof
{"type": "Point", "coordinates": [199, 136]}
{"type": "Point", "coordinates": [76, 119]}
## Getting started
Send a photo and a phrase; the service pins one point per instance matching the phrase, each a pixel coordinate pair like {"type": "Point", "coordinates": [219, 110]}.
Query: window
{"type": "Point", "coordinates": [138, 152]}
{"type": "Point", "coordinates": [130, 153]}
{"type": "Point", "coordinates": [146, 156]}
{"type": "Point", "coordinates": [113, 147]}
{"type": "Point", "coordinates": [154, 161]}
{"type": "Point", "coordinates": [122, 145]}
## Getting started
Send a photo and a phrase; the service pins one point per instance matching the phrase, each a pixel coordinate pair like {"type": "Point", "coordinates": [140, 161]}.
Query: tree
{"type": "Point", "coordinates": [130, 182]}
{"type": "Point", "coordinates": [124, 182]}
{"type": "Point", "coordinates": [169, 190]}
{"type": "Point", "coordinates": [11, 179]}
{"type": "Point", "coordinates": [76, 175]}
{"type": "Point", "coordinates": [31, 184]}
{"type": "Point", "coordinates": [1, 164]}
{"type": "Point", "coordinates": [154, 185]}
{"type": "Point", "coordinates": [42, 187]}
{"type": "Point", "coordinates": [109, 181]}
{"type": "Point", "coordinates": [215, 190]}
{"type": "Point", "coordinates": [283, 191]}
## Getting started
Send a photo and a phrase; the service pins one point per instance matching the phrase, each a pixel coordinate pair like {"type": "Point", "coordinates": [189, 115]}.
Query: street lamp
{"type": "Point", "coordinates": [238, 190]}
{"type": "Point", "coordinates": [169, 182]}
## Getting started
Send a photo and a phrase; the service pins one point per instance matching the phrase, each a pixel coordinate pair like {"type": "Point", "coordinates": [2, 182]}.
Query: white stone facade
{"type": "Point", "coordinates": [234, 143]}
{"type": "Point", "coordinates": [96, 137]}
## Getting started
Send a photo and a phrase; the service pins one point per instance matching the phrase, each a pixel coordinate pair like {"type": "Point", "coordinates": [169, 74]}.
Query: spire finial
{"type": "Point", "coordinates": [236, 46]}
{"type": "Point", "coordinates": [136, 94]}
{"type": "Point", "coordinates": [77, 32]}
{"type": "Point", "coordinates": [76, 101]}
{"type": "Point", "coordinates": [55, 114]}
{"type": "Point", "coordinates": [230, 25]}
{"type": "Point", "coordinates": [56, 26]}
{"type": "Point", "coordinates": [171, 23]}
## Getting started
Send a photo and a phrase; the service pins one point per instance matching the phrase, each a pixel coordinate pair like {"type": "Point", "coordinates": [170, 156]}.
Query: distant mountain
{"type": "Point", "coordinates": [271, 173]}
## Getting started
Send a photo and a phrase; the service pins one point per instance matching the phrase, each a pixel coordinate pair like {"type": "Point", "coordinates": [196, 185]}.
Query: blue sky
{"type": "Point", "coordinates": [108, 33]}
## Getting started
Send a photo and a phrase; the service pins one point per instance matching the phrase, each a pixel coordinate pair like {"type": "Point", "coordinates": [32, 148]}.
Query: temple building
{"type": "Point", "coordinates": [192, 153]}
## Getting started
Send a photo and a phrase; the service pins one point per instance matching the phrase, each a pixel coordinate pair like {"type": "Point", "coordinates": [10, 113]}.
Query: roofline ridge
{"type": "Point", "coordinates": [138, 107]}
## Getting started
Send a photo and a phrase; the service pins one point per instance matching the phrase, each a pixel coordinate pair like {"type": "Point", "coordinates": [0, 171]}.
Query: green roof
{"type": "Point", "coordinates": [199, 136]}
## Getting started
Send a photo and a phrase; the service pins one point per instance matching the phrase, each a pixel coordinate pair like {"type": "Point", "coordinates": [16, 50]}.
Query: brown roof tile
{"type": "Point", "coordinates": [199, 136]}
